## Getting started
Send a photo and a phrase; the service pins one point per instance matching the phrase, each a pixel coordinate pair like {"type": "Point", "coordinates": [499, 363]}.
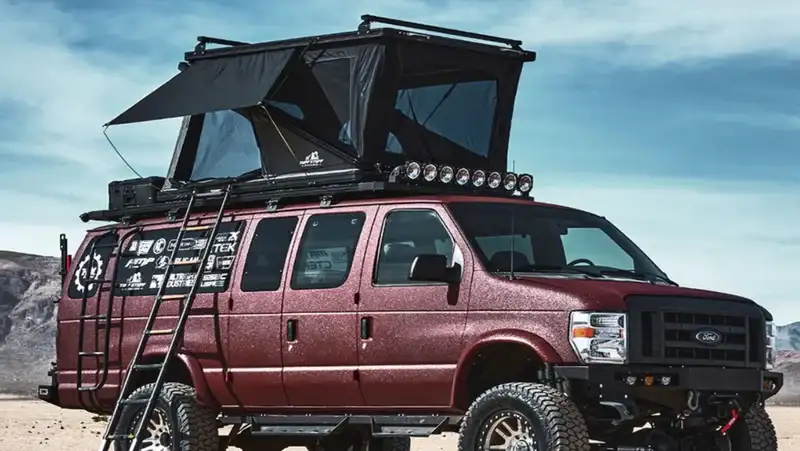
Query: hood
{"type": "Point", "coordinates": [611, 294]}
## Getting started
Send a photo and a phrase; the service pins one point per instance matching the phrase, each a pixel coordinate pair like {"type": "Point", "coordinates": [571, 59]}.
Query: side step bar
{"type": "Point", "coordinates": [325, 425]}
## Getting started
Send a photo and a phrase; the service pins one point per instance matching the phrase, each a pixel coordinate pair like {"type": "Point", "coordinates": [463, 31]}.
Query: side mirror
{"type": "Point", "coordinates": [432, 268]}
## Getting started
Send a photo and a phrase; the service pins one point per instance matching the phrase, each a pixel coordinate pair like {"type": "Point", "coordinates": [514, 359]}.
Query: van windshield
{"type": "Point", "coordinates": [537, 238]}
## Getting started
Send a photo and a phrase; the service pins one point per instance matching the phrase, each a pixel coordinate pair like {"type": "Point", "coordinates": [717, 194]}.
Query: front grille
{"type": "Point", "coordinates": [695, 331]}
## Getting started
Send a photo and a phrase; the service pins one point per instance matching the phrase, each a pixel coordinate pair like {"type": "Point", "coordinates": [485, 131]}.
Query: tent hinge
{"type": "Point", "coordinates": [325, 201]}
{"type": "Point", "coordinates": [272, 205]}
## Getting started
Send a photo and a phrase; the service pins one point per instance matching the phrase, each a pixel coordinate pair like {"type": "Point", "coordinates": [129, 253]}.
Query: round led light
{"type": "Point", "coordinates": [413, 170]}
{"type": "Point", "coordinates": [462, 176]}
{"type": "Point", "coordinates": [478, 178]}
{"type": "Point", "coordinates": [510, 181]}
{"type": "Point", "coordinates": [446, 174]}
{"type": "Point", "coordinates": [494, 180]}
{"type": "Point", "coordinates": [429, 173]}
{"type": "Point", "coordinates": [525, 183]}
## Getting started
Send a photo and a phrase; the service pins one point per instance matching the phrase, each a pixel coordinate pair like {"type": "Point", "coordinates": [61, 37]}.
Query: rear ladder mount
{"type": "Point", "coordinates": [177, 333]}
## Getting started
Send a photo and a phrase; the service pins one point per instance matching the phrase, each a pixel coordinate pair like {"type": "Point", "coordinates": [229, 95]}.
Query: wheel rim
{"type": "Point", "coordinates": [157, 434]}
{"type": "Point", "coordinates": [508, 431]}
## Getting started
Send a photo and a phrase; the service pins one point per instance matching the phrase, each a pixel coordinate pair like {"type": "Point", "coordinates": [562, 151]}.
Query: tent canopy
{"type": "Point", "coordinates": [338, 103]}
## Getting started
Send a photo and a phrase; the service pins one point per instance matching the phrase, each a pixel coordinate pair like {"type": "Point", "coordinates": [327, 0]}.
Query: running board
{"type": "Point", "coordinates": [324, 425]}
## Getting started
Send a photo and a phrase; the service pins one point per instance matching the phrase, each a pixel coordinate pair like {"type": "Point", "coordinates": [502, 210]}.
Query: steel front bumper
{"type": "Point", "coordinates": [706, 379]}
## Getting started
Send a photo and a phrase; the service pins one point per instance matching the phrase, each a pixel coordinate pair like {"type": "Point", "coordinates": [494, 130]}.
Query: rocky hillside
{"type": "Point", "coordinates": [28, 286]}
{"type": "Point", "coordinates": [30, 283]}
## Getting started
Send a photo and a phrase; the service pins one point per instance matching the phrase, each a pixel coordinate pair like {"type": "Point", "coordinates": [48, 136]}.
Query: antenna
{"type": "Point", "coordinates": [511, 205]}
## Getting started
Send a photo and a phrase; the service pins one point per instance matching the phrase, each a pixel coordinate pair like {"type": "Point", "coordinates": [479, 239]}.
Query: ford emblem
{"type": "Point", "coordinates": [708, 337]}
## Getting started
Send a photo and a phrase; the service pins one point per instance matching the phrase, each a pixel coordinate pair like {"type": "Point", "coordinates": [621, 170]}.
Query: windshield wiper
{"type": "Point", "coordinates": [540, 267]}
{"type": "Point", "coordinates": [648, 276]}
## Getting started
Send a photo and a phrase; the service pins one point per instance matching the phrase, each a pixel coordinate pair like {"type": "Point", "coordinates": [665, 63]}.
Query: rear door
{"type": "Point", "coordinates": [320, 328]}
{"type": "Point", "coordinates": [413, 330]}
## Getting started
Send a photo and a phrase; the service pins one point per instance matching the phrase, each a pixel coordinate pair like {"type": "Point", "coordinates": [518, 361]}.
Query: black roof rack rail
{"type": "Point", "coordinates": [368, 19]}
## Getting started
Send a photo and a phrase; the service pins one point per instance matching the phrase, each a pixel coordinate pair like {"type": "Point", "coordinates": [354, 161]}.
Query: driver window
{"type": "Point", "coordinates": [593, 244]}
{"type": "Point", "coordinates": [406, 234]}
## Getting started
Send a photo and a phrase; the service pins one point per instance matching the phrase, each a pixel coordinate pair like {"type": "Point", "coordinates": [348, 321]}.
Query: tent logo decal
{"type": "Point", "coordinates": [312, 160]}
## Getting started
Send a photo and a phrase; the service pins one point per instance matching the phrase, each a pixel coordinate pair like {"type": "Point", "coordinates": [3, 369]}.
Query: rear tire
{"type": "Point", "coordinates": [177, 423]}
{"type": "Point", "coordinates": [524, 417]}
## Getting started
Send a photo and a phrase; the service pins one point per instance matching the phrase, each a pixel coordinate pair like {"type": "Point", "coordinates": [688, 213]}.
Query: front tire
{"type": "Point", "coordinates": [754, 432]}
{"type": "Point", "coordinates": [177, 422]}
{"type": "Point", "coordinates": [523, 416]}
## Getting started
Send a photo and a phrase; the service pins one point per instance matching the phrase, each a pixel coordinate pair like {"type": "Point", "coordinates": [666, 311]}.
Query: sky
{"type": "Point", "coordinates": [678, 121]}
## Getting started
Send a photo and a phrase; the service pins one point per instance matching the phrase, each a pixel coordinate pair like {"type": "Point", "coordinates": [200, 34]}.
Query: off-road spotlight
{"type": "Point", "coordinates": [446, 174]}
{"type": "Point", "coordinates": [494, 180]}
{"type": "Point", "coordinates": [478, 178]}
{"type": "Point", "coordinates": [510, 181]}
{"type": "Point", "coordinates": [429, 173]}
{"type": "Point", "coordinates": [413, 170]}
{"type": "Point", "coordinates": [462, 176]}
{"type": "Point", "coordinates": [525, 183]}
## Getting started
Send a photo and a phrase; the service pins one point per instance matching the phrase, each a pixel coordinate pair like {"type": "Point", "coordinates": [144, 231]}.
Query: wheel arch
{"type": "Point", "coordinates": [184, 369]}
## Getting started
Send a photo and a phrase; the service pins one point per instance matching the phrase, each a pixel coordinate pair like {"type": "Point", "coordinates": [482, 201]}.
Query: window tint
{"type": "Point", "coordinates": [460, 112]}
{"type": "Point", "coordinates": [266, 258]}
{"type": "Point", "coordinates": [91, 266]}
{"type": "Point", "coordinates": [326, 250]}
{"type": "Point", "coordinates": [595, 245]}
{"type": "Point", "coordinates": [227, 146]}
{"type": "Point", "coordinates": [141, 269]}
{"type": "Point", "coordinates": [406, 234]}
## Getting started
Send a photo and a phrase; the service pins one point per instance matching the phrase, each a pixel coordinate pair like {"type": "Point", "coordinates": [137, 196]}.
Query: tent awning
{"type": "Point", "coordinates": [211, 84]}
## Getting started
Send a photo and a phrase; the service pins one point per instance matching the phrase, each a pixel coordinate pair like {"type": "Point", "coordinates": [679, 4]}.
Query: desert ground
{"type": "Point", "coordinates": [30, 425]}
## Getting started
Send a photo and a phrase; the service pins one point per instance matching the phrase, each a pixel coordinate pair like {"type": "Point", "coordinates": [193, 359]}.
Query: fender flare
{"type": "Point", "coordinates": [535, 343]}
{"type": "Point", "coordinates": [201, 389]}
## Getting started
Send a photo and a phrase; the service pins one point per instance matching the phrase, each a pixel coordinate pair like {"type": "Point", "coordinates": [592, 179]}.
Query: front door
{"type": "Point", "coordinates": [319, 324]}
{"type": "Point", "coordinates": [412, 334]}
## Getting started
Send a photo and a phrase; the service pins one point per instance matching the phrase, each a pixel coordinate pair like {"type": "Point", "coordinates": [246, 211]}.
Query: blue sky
{"type": "Point", "coordinates": [679, 123]}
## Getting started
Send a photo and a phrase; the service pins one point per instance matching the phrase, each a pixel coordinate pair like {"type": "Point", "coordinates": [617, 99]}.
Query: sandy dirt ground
{"type": "Point", "coordinates": [30, 425]}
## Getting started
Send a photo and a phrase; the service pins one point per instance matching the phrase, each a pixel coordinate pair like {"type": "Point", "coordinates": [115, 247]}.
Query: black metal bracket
{"type": "Point", "coordinates": [272, 205]}
{"type": "Point", "coordinates": [368, 19]}
{"type": "Point", "coordinates": [202, 41]}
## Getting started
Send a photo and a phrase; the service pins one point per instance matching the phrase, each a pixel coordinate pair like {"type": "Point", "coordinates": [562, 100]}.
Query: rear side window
{"type": "Point", "coordinates": [266, 258]}
{"type": "Point", "coordinates": [91, 266]}
{"type": "Point", "coordinates": [142, 266]}
{"type": "Point", "coordinates": [326, 250]}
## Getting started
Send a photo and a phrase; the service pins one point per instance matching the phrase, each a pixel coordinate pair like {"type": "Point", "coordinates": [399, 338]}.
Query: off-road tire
{"type": "Point", "coordinates": [193, 427]}
{"type": "Point", "coordinates": [556, 420]}
{"type": "Point", "coordinates": [754, 432]}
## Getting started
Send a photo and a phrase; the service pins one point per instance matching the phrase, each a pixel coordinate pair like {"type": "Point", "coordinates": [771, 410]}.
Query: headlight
{"type": "Point", "coordinates": [599, 337]}
{"type": "Point", "coordinates": [770, 351]}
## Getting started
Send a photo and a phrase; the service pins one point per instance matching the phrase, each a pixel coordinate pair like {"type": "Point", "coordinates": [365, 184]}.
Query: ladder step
{"type": "Point", "coordinates": [161, 332]}
{"type": "Point", "coordinates": [94, 317]}
{"type": "Point", "coordinates": [196, 228]}
{"type": "Point", "coordinates": [120, 437]}
{"type": "Point", "coordinates": [173, 297]}
{"type": "Point", "coordinates": [91, 354]}
{"type": "Point", "coordinates": [133, 402]}
{"type": "Point", "coordinates": [149, 366]}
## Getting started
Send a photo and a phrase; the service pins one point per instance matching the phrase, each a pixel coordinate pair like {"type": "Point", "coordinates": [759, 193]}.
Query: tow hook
{"type": "Point", "coordinates": [734, 416]}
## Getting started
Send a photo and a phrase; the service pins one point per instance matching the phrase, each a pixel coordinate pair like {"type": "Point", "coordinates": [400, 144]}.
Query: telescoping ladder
{"type": "Point", "coordinates": [111, 435]}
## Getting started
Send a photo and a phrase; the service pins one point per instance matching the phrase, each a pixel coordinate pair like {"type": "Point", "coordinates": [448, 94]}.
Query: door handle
{"type": "Point", "coordinates": [366, 327]}
{"type": "Point", "coordinates": [291, 330]}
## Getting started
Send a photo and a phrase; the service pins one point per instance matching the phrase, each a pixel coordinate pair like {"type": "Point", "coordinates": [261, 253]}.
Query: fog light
{"type": "Point", "coordinates": [666, 380]}
{"type": "Point", "coordinates": [525, 183]}
{"type": "Point", "coordinates": [412, 170]}
{"type": "Point", "coordinates": [494, 180]}
{"type": "Point", "coordinates": [510, 181]}
{"type": "Point", "coordinates": [478, 178]}
{"type": "Point", "coordinates": [649, 380]}
{"type": "Point", "coordinates": [630, 380]}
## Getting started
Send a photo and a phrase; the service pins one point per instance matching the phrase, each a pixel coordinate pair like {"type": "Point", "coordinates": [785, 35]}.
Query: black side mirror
{"type": "Point", "coordinates": [432, 268]}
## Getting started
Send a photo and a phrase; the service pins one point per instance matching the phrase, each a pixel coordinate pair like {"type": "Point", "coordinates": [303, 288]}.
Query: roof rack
{"type": "Point", "coordinates": [411, 179]}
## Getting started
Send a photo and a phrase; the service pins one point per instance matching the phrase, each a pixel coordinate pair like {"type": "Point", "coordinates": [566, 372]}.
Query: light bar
{"type": "Point", "coordinates": [431, 173]}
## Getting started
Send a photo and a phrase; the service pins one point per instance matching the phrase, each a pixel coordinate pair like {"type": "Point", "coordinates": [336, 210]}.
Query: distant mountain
{"type": "Point", "coordinates": [788, 337]}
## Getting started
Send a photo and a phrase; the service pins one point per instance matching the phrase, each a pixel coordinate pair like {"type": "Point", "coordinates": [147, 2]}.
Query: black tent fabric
{"type": "Point", "coordinates": [211, 84]}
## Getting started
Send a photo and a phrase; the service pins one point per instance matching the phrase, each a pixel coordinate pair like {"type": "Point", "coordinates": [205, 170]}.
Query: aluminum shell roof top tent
{"type": "Point", "coordinates": [336, 109]}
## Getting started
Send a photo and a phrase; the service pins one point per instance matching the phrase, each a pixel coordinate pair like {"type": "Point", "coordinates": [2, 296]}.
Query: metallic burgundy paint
{"type": "Point", "coordinates": [423, 336]}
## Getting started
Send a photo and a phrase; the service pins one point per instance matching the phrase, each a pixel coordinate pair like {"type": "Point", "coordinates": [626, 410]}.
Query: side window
{"type": "Point", "coordinates": [91, 266]}
{"type": "Point", "coordinates": [141, 269]}
{"type": "Point", "coordinates": [595, 245]}
{"type": "Point", "coordinates": [406, 234]}
{"type": "Point", "coordinates": [266, 258]}
{"type": "Point", "coordinates": [326, 250]}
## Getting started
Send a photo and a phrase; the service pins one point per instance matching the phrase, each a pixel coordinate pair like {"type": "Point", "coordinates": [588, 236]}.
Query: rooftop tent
{"type": "Point", "coordinates": [337, 104]}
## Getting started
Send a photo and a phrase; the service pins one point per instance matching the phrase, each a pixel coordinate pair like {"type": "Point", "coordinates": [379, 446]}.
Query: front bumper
{"type": "Point", "coordinates": [48, 393]}
{"type": "Point", "coordinates": [704, 379]}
